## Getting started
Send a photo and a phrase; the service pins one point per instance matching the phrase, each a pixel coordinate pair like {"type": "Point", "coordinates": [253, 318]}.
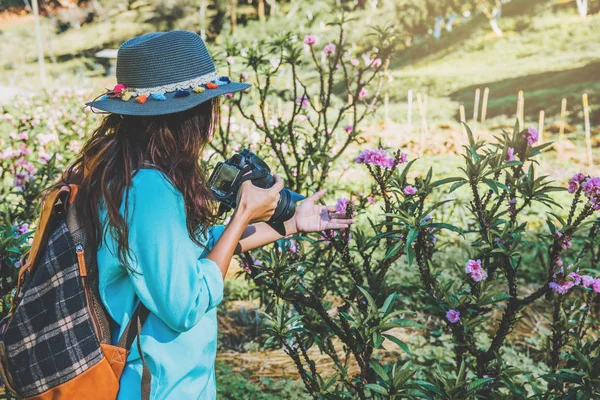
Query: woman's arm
{"type": "Point", "coordinates": [309, 217]}
{"type": "Point", "coordinates": [254, 205]}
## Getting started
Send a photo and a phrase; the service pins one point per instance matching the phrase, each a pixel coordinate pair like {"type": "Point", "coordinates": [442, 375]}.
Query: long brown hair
{"type": "Point", "coordinates": [123, 144]}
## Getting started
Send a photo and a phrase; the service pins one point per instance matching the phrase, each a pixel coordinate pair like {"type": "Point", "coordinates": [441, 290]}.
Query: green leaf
{"type": "Point", "coordinates": [399, 342]}
{"type": "Point", "coordinates": [479, 383]}
{"type": "Point", "coordinates": [377, 388]}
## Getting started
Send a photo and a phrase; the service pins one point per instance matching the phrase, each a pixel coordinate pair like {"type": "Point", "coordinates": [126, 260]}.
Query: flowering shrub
{"type": "Point", "coordinates": [334, 292]}
{"type": "Point", "coordinates": [37, 137]}
{"type": "Point", "coordinates": [307, 133]}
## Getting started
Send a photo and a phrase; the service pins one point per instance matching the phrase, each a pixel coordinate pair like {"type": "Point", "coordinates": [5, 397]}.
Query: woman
{"type": "Point", "coordinates": [147, 205]}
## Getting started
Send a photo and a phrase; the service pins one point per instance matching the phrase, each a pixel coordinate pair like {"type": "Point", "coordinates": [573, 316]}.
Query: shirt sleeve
{"type": "Point", "coordinates": [171, 275]}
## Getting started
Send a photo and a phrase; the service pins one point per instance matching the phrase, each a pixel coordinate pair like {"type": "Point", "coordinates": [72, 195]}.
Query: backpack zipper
{"type": "Point", "coordinates": [86, 289]}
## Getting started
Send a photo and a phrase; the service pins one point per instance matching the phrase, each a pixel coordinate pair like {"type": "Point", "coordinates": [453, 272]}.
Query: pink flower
{"type": "Point", "coordinates": [510, 155]}
{"type": "Point", "coordinates": [341, 205]}
{"type": "Point", "coordinates": [310, 40]}
{"type": "Point", "coordinates": [531, 136]}
{"type": "Point", "coordinates": [453, 316]}
{"type": "Point", "coordinates": [479, 275]}
{"type": "Point", "coordinates": [596, 285]}
{"type": "Point", "coordinates": [564, 241]}
{"type": "Point", "coordinates": [376, 157]}
{"type": "Point", "coordinates": [410, 190]}
{"type": "Point", "coordinates": [329, 48]}
{"type": "Point", "coordinates": [474, 268]}
{"type": "Point", "coordinates": [362, 94]}
{"type": "Point", "coordinates": [576, 278]}
{"type": "Point", "coordinates": [23, 136]}
{"type": "Point", "coordinates": [472, 265]}
{"type": "Point", "coordinates": [587, 280]}
{"type": "Point", "coordinates": [403, 158]}
{"type": "Point", "coordinates": [293, 247]}
{"type": "Point", "coordinates": [376, 63]}
{"type": "Point", "coordinates": [229, 95]}
{"type": "Point", "coordinates": [371, 200]}
{"type": "Point", "coordinates": [348, 128]}
{"type": "Point", "coordinates": [354, 62]}
{"type": "Point", "coordinates": [575, 181]}
{"type": "Point", "coordinates": [562, 287]}
{"type": "Point", "coordinates": [230, 60]}
{"type": "Point", "coordinates": [244, 76]}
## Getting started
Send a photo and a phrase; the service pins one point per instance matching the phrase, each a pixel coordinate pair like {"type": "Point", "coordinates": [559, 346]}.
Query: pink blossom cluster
{"type": "Point", "coordinates": [564, 241]}
{"type": "Point", "coordinates": [510, 155]}
{"type": "Point", "coordinates": [303, 101]}
{"type": "Point", "coordinates": [342, 205]}
{"type": "Point", "coordinates": [310, 40]}
{"type": "Point", "coordinates": [474, 268]}
{"type": "Point", "coordinates": [329, 48]}
{"type": "Point", "coordinates": [562, 286]}
{"type": "Point", "coordinates": [379, 157]}
{"type": "Point", "coordinates": [575, 181]}
{"type": "Point", "coordinates": [453, 316]}
{"type": "Point", "coordinates": [591, 189]}
{"type": "Point", "coordinates": [532, 136]}
{"type": "Point", "coordinates": [410, 190]}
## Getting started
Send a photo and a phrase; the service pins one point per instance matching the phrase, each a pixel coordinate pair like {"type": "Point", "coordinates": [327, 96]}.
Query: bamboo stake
{"type": "Point", "coordinates": [462, 119]}
{"type": "Point", "coordinates": [476, 105]}
{"type": "Point", "coordinates": [521, 108]}
{"type": "Point", "coordinates": [563, 115]}
{"type": "Point", "coordinates": [588, 133]}
{"type": "Point", "coordinates": [422, 105]}
{"type": "Point", "coordinates": [486, 94]}
{"type": "Point", "coordinates": [409, 116]}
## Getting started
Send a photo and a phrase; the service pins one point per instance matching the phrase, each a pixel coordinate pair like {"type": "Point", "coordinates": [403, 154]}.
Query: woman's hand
{"type": "Point", "coordinates": [257, 204]}
{"type": "Point", "coordinates": [311, 217]}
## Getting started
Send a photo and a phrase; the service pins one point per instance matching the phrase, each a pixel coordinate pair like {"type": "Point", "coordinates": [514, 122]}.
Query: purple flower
{"type": "Point", "coordinates": [303, 101]}
{"type": "Point", "coordinates": [576, 278]}
{"type": "Point", "coordinates": [453, 316]}
{"type": "Point", "coordinates": [329, 48]}
{"type": "Point", "coordinates": [22, 229]}
{"type": "Point", "coordinates": [562, 287]}
{"type": "Point", "coordinates": [510, 155]}
{"type": "Point", "coordinates": [591, 189]}
{"type": "Point", "coordinates": [310, 40]}
{"type": "Point", "coordinates": [376, 63]}
{"type": "Point", "coordinates": [341, 205]}
{"type": "Point", "coordinates": [410, 190]}
{"type": "Point", "coordinates": [348, 128]}
{"type": "Point", "coordinates": [575, 181]}
{"type": "Point", "coordinates": [362, 94]}
{"type": "Point", "coordinates": [472, 265]}
{"type": "Point", "coordinates": [354, 62]}
{"type": "Point", "coordinates": [474, 268]}
{"type": "Point", "coordinates": [587, 280]}
{"type": "Point", "coordinates": [403, 158]}
{"type": "Point", "coordinates": [596, 285]}
{"type": "Point", "coordinates": [531, 136]}
{"type": "Point", "coordinates": [376, 157]}
{"type": "Point", "coordinates": [371, 200]}
{"type": "Point", "coordinates": [479, 275]}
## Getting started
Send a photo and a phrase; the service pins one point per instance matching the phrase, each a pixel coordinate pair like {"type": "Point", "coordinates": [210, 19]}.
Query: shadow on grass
{"type": "Point", "coordinates": [543, 91]}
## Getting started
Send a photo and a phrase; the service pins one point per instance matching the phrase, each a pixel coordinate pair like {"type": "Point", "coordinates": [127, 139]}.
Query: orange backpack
{"type": "Point", "coordinates": [56, 341]}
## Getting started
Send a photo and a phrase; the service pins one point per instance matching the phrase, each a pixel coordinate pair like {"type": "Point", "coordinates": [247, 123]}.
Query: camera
{"type": "Point", "coordinates": [228, 175]}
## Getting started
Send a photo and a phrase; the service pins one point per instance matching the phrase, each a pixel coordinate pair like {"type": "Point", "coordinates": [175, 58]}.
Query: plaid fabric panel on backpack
{"type": "Point", "coordinates": [51, 338]}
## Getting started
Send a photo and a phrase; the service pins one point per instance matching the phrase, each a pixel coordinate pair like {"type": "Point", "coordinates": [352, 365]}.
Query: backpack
{"type": "Point", "coordinates": [56, 340]}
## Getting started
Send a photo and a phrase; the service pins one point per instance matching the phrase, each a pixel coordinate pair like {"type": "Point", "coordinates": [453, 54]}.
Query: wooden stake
{"type": "Point", "coordinates": [520, 108]}
{"type": "Point", "coordinates": [486, 94]}
{"type": "Point", "coordinates": [422, 105]}
{"type": "Point", "coordinates": [462, 119]}
{"type": "Point", "coordinates": [563, 115]}
{"type": "Point", "coordinates": [588, 133]}
{"type": "Point", "coordinates": [541, 126]}
{"type": "Point", "coordinates": [409, 115]}
{"type": "Point", "coordinates": [476, 105]}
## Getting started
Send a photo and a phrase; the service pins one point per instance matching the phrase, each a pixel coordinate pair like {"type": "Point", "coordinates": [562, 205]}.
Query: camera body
{"type": "Point", "coordinates": [228, 175]}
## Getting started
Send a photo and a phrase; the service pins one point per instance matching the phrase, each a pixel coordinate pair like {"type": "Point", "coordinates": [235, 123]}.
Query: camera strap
{"type": "Point", "coordinates": [256, 174]}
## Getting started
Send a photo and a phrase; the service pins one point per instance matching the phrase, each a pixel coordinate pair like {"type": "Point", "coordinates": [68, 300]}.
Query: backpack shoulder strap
{"type": "Point", "coordinates": [132, 331]}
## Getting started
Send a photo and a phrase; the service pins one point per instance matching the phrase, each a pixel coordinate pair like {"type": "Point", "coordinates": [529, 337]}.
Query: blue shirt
{"type": "Point", "coordinates": [175, 281]}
